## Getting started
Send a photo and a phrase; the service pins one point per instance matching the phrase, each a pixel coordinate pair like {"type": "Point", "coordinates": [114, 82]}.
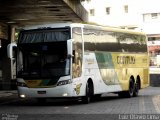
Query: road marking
{"type": "Point", "coordinates": [141, 102]}
{"type": "Point", "coordinates": [156, 103]}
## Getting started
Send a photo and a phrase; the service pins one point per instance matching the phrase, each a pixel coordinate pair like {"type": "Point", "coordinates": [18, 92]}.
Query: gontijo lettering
{"type": "Point", "coordinates": [126, 60]}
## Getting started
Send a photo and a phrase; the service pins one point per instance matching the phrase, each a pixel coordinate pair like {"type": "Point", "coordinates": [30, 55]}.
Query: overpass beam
{"type": "Point", "coordinates": [76, 6]}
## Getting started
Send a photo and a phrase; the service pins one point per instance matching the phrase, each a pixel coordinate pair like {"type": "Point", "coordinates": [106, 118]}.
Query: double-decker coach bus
{"type": "Point", "coordinates": [80, 60]}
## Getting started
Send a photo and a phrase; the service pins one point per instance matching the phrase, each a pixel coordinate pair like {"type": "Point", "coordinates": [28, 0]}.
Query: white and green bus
{"type": "Point", "coordinates": [69, 60]}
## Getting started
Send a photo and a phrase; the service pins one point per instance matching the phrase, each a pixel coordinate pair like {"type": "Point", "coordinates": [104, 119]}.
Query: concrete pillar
{"type": "Point", "coordinates": [3, 56]}
{"type": "Point", "coordinates": [13, 31]}
{"type": "Point", "coordinates": [7, 64]}
{"type": "Point", "coordinates": [6, 72]}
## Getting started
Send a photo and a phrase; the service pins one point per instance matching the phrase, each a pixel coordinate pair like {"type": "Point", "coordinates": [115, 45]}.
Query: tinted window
{"type": "Point", "coordinates": [100, 40]}
{"type": "Point", "coordinates": [44, 35]}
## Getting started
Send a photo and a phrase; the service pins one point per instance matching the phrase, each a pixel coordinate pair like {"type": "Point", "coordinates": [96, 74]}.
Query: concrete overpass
{"type": "Point", "coordinates": [18, 13]}
{"type": "Point", "coordinates": [21, 12]}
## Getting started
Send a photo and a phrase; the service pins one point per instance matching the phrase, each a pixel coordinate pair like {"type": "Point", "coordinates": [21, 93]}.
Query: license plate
{"type": "Point", "coordinates": [41, 92]}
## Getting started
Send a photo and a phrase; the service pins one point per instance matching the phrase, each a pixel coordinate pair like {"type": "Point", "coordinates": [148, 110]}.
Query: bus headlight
{"type": "Point", "coordinates": [21, 84]}
{"type": "Point", "coordinates": [22, 96]}
{"type": "Point", "coordinates": [64, 82]}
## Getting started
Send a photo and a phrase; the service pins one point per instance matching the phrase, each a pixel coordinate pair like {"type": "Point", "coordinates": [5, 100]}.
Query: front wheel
{"type": "Point", "coordinates": [87, 98]}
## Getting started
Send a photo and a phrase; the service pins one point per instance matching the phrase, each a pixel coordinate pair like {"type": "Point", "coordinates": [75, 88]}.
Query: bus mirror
{"type": "Point", "coordinates": [69, 47]}
{"type": "Point", "coordinates": [11, 50]}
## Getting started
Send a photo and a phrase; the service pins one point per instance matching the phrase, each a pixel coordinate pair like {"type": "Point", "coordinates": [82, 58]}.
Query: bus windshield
{"type": "Point", "coordinates": [43, 60]}
{"type": "Point", "coordinates": [42, 53]}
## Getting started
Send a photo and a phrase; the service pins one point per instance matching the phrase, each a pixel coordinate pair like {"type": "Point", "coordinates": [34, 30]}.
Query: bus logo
{"type": "Point", "coordinates": [126, 60]}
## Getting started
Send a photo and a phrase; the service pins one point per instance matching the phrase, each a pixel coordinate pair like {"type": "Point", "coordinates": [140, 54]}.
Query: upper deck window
{"type": "Point", "coordinates": [44, 35]}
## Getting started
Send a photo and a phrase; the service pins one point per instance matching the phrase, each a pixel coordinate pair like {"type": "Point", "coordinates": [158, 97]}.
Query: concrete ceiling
{"type": "Point", "coordinates": [28, 12]}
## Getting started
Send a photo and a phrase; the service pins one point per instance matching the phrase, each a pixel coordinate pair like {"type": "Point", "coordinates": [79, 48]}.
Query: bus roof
{"type": "Point", "coordinates": [114, 29]}
{"type": "Point", "coordinates": [89, 26]}
{"type": "Point", "coordinates": [53, 25]}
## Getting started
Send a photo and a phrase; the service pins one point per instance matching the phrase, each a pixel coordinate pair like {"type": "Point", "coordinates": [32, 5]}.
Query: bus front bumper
{"type": "Point", "coordinates": [58, 92]}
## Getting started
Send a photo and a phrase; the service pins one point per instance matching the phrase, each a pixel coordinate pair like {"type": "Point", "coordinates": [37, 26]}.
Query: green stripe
{"type": "Point", "coordinates": [104, 60]}
{"type": "Point", "coordinates": [106, 68]}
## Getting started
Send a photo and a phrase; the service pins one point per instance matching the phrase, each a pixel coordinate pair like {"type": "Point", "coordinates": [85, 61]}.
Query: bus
{"type": "Point", "coordinates": [74, 60]}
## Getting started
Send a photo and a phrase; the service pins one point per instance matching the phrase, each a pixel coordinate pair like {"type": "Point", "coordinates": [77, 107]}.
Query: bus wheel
{"type": "Point", "coordinates": [87, 98]}
{"type": "Point", "coordinates": [131, 89]}
{"type": "Point", "coordinates": [136, 90]}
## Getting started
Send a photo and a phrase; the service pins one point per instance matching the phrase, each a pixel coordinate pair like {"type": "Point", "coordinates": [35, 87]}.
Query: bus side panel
{"type": "Point", "coordinates": [127, 65]}
{"type": "Point", "coordinates": [99, 67]}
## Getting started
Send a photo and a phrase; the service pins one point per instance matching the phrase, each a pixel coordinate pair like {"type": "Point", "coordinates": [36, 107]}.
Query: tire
{"type": "Point", "coordinates": [136, 90]}
{"type": "Point", "coordinates": [130, 92]}
{"type": "Point", "coordinates": [87, 98]}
